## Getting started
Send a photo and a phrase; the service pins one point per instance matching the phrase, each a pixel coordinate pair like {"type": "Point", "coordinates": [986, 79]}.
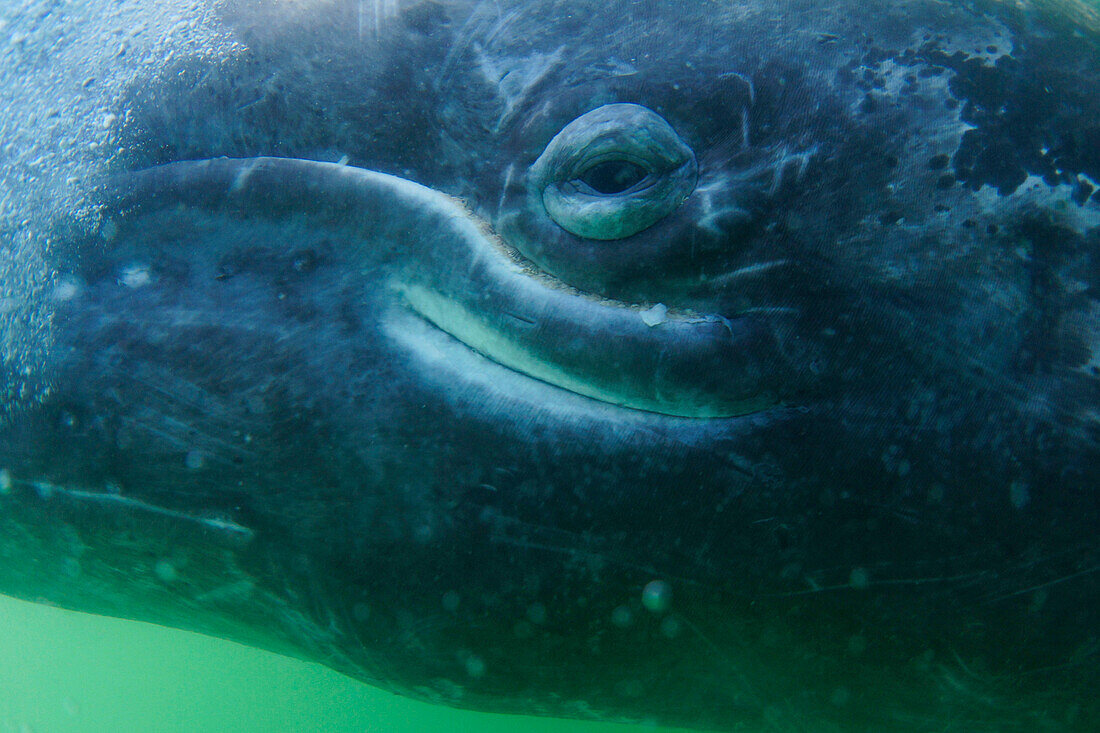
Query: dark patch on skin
{"type": "Point", "coordinates": [1030, 111]}
{"type": "Point", "coordinates": [939, 161]}
{"type": "Point", "coordinates": [875, 56]}
{"type": "Point", "coordinates": [996, 164]}
{"type": "Point", "coordinates": [1082, 192]}
{"type": "Point", "coordinates": [890, 217]}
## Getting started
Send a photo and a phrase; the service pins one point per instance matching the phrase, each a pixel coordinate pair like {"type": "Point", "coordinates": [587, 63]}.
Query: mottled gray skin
{"type": "Point", "coordinates": [871, 503]}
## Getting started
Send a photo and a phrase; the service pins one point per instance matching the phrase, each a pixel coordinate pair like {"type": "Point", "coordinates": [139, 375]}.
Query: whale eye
{"type": "Point", "coordinates": [613, 172]}
{"type": "Point", "coordinates": [614, 176]}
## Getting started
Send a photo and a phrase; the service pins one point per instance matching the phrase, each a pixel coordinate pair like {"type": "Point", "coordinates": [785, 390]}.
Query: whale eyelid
{"type": "Point", "coordinates": [636, 145]}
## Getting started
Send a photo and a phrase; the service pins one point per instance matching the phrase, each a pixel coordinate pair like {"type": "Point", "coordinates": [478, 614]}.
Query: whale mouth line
{"type": "Point", "coordinates": [459, 279]}
{"type": "Point", "coordinates": [450, 317]}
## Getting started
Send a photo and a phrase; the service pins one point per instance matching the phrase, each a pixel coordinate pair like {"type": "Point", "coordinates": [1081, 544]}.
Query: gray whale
{"type": "Point", "coordinates": [727, 366]}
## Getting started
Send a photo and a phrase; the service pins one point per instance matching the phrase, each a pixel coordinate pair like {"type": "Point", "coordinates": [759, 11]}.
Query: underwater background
{"type": "Point", "coordinates": [68, 672]}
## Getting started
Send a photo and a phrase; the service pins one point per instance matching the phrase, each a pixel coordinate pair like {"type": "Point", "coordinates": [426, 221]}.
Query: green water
{"type": "Point", "coordinates": [65, 672]}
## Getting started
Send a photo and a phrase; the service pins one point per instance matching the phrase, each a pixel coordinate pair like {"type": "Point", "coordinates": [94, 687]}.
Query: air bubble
{"type": "Point", "coordinates": [859, 579]}
{"type": "Point", "coordinates": [622, 617]}
{"type": "Point", "coordinates": [657, 596]}
{"type": "Point", "coordinates": [165, 571]}
{"type": "Point", "coordinates": [194, 460]}
{"type": "Point", "coordinates": [536, 614]}
{"type": "Point", "coordinates": [475, 666]}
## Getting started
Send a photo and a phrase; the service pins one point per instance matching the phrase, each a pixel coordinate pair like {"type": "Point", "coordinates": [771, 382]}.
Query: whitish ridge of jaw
{"type": "Point", "coordinates": [461, 324]}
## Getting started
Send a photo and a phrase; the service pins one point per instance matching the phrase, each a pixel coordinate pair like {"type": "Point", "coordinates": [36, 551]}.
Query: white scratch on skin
{"type": "Point", "coordinates": [382, 12]}
{"type": "Point", "coordinates": [713, 214]}
{"type": "Point", "coordinates": [802, 160]}
{"type": "Point", "coordinates": [741, 273]}
{"type": "Point", "coordinates": [503, 24]}
{"type": "Point", "coordinates": [776, 310]}
{"type": "Point", "coordinates": [509, 173]}
{"type": "Point", "coordinates": [787, 160]}
{"type": "Point", "coordinates": [709, 222]}
{"type": "Point", "coordinates": [240, 180]}
{"type": "Point", "coordinates": [471, 29]}
{"type": "Point", "coordinates": [47, 490]}
{"type": "Point", "coordinates": [532, 72]}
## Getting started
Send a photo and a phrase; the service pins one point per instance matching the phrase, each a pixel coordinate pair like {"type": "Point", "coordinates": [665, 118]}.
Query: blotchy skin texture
{"type": "Point", "coordinates": [817, 449]}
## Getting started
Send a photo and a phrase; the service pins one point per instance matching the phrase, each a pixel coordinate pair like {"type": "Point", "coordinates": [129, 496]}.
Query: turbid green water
{"type": "Point", "coordinates": [65, 672]}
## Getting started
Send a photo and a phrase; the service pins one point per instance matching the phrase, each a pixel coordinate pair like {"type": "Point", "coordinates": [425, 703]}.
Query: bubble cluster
{"type": "Point", "coordinates": [63, 74]}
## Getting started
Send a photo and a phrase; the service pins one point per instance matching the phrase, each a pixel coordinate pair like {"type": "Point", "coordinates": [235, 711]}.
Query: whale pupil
{"type": "Point", "coordinates": [613, 176]}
